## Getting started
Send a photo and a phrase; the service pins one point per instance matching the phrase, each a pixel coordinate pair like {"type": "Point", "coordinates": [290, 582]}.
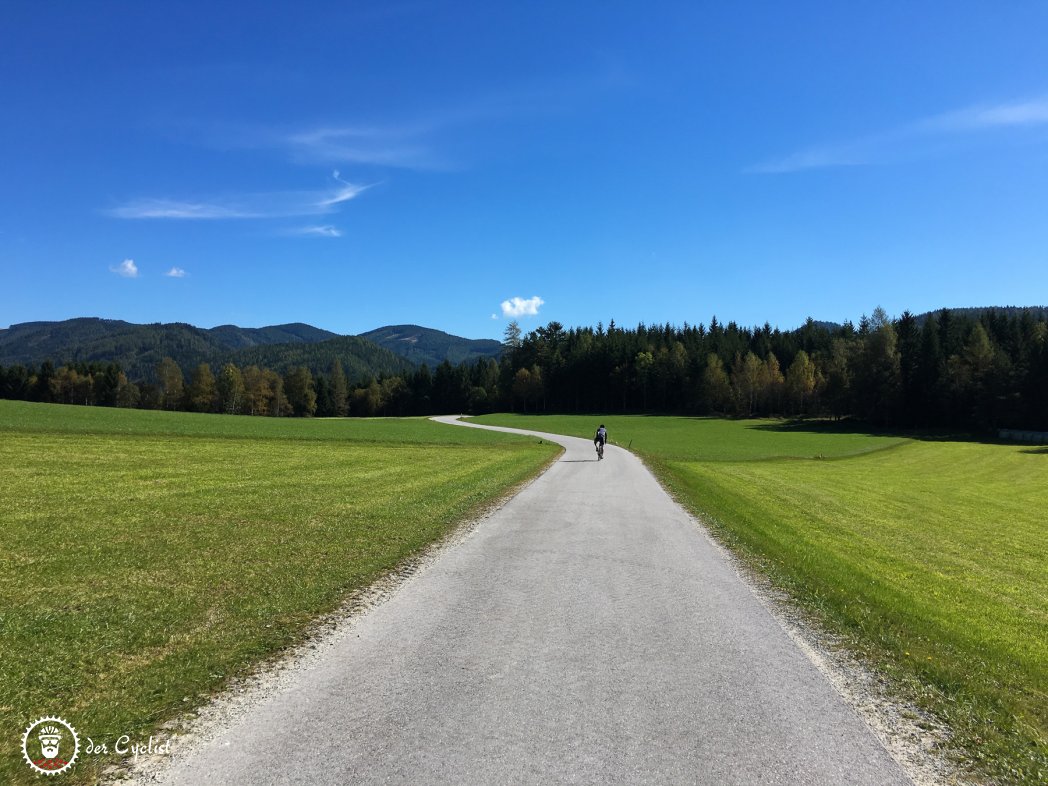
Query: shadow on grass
{"type": "Point", "coordinates": [848, 426]}
{"type": "Point", "coordinates": [825, 426]}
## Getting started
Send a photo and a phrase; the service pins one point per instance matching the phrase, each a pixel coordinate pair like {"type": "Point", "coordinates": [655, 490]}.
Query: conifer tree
{"type": "Point", "coordinates": [338, 389]}
{"type": "Point", "coordinates": [300, 393]}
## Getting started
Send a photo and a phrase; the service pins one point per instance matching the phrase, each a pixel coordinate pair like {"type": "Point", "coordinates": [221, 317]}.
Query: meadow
{"type": "Point", "coordinates": [927, 555]}
{"type": "Point", "coordinates": [146, 558]}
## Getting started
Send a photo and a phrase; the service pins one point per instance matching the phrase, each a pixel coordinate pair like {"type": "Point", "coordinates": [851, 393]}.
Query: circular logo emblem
{"type": "Point", "coordinates": [50, 745]}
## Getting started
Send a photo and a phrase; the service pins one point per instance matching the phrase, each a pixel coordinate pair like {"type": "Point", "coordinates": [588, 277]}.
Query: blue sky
{"type": "Point", "coordinates": [356, 164]}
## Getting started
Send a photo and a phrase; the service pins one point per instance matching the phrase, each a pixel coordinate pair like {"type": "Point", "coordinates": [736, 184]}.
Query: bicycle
{"type": "Point", "coordinates": [600, 451]}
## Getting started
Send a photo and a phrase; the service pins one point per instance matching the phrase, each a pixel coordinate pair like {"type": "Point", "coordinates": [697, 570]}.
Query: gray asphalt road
{"type": "Point", "coordinates": [587, 632]}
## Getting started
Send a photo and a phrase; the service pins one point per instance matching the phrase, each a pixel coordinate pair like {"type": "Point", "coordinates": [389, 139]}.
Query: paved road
{"type": "Point", "coordinates": [587, 632]}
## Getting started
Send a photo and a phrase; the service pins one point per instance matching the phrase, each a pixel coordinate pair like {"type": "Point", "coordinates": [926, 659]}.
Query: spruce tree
{"type": "Point", "coordinates": [338, 390]}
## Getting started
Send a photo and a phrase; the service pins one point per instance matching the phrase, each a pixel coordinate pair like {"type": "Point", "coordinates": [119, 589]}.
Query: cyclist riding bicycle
{"type": "Point", "coordinates": [600, 439]}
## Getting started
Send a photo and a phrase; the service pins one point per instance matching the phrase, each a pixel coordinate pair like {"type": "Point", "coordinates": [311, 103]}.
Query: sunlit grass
{"type": "Point", "coordinates": [705, 439]}
{"type": "Point", "coordinates": [930, 557]}
{"type": "Point", "coordinates": [142, 563]}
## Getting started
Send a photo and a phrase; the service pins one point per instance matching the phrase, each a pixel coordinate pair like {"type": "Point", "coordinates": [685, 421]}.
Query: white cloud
{"type": "Point", "coordinates": [316, 231]}
{"type": "Point", "coordinates": [391, 147]}
{"type": "Point", "coordinates": [170, 208]}
{"type": "Point", "coordinates": [275, 204]}
{"type": "Point", "coordinates": [175, 272]}
{"type": "Point", "coordinates": [494, 316]}
{"type": "Point", "coordinates": [519, 307]}
{"type": "Point", "coordinates": [1021, 113]}
{"type": "Point", "coordinates": [127, 269]}
{"type": "Point", "coordinates": [344, 194]}
{"type": "Point", "coordinates": [911, 137]}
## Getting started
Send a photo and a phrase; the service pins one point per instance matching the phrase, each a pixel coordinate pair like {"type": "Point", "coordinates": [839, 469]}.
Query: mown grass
{"type": "Point", "coordinates": [704, 439]}
{"type": "Point", "coordinates": [930, 557]}
{"type": "Point", "coordinates": [145, 558]}
{"type": "Point", "coordinates": [60, 419]}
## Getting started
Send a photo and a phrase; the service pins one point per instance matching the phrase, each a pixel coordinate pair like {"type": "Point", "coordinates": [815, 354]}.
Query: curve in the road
{"type": "Point", "coordinates": [587, 632]}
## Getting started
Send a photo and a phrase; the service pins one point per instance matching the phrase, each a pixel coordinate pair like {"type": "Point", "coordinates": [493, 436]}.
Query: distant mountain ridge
{"type": "Point", "coordinates": [294, 333]}
{"type": "Point", "coordinates": [975, 312]}
{"type": "Point", "coordinates": [387, 350]}
{"type": "Point", "coordinates": [432, 347]}
{"type": "Point", "coordinates": [138, 348]}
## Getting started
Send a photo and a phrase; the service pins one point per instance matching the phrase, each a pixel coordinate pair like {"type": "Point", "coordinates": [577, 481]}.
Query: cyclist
{"type": "Point", "coordinates": [600, 439]}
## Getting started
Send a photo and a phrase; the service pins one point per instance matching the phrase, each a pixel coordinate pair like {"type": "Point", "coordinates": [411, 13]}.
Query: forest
{"type": "Point", "coordinates": [977, 370]}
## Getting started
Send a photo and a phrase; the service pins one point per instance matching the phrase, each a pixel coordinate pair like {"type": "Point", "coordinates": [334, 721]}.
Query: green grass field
{"type": "Point", "coordinates": [147, 557]}
{"type": "Point", "coordinates": [929, 556]}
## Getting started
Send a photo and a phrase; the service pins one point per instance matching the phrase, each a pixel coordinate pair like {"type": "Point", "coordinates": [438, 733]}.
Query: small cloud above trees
{"type": "Point", "coordinates": [519, 307]}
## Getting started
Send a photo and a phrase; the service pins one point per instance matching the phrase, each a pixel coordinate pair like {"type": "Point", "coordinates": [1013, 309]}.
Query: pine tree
{"type": "Point", "coordinates": [928, 386]}
{"type": "Point", "coordinates": [42, 387]}
{"type": "Point", "coordinates": [909, 364]}
{"type": "Point", "coordinates": [300, 393]}
{"type": "Point", "coordinates": [512, 336]}
{"type": "Point", "coordinates": [338, 390]}
{"type": "Point", "coordinates": [877, 387]}
{"type": "Point", "coordinates": [838, 372]}
{"type": "Point", "coordinates": [978, 360]}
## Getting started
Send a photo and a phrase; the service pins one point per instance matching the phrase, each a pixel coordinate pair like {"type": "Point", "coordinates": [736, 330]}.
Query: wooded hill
{"type": "Point", "coordinates": [432, 347]}
{"type": "Point", "coordinates": [138, 349]}
{"type": "Point", "coordinates": [974, 369]}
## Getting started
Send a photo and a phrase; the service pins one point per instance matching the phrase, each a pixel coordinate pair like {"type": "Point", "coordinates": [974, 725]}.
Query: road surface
{"type": "Point", "coordinates": [587, 632]}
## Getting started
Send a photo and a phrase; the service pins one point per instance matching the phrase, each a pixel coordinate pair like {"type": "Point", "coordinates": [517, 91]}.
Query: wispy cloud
{"type": "Point", "coordinates": [127, 269]}
{"type": "Point", "coordinates": [976, 118]}
{"type": "Point", "coordinates": [519, 307]}
{"type": "Point", "coordinates": [175, 272]}
{"type": "Point", "coordinates": [275, 204]}
{"type": "Point", "coordinates": [402, 148]}
{"type": "Point", "coordinates": [432, 138]}
{"type": "Point", "coordinates": [878, 147]}
{"type": "Point", "coordinates": [346, 192]}
{"type": "Point", "coordinates": [172, 208]}
{"type": "Point", "coordinates": [315, 231]}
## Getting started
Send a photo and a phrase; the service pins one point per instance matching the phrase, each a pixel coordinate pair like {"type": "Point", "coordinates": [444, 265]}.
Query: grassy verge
{"type": "Point", "coordinates": [928, 556]}
{"type": "Point", "coordinates": [145, 558]}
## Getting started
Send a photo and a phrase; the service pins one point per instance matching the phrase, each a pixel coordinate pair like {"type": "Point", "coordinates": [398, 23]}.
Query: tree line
{"type": "Point", "coordinates": [255, 390]}
{"type": "Point", "coordinates": [974, 370]}
{"type": "Point", "coordinates": [232, 390]}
